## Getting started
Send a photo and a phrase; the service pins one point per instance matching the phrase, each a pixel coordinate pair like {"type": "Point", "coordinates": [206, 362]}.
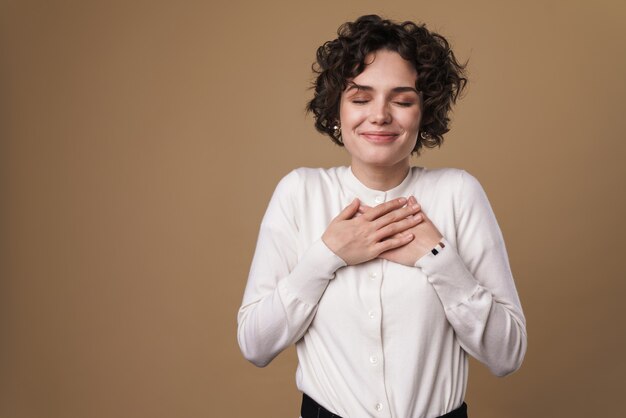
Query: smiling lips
{"type": "Point", "coordinates": [379, 136]}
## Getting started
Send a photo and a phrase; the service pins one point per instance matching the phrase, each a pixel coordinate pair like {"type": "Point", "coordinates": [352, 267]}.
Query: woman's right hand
{"type": "Point", "coordinates": [357, 239]}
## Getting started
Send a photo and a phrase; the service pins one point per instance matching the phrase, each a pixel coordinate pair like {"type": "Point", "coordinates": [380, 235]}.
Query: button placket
{"type": "Point", "coordinates": [374, 359]}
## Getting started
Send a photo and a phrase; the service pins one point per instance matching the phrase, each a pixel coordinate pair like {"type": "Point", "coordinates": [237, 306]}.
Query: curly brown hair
{"type": "Point", "coordinates": [440, 77]}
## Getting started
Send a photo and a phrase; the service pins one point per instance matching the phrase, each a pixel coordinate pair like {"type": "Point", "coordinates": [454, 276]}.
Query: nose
{"type": "Point", "coordinates": [380, 113]}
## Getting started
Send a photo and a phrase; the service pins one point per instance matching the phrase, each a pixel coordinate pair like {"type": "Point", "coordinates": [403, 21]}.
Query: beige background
{"type": "Point", "coordinates": [141, 141]}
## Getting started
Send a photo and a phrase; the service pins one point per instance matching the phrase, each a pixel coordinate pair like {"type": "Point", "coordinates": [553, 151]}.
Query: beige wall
{"type": "Point", "coordinates": [140, 143]}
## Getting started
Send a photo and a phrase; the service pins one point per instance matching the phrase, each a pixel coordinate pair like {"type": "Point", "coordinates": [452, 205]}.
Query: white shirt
{"type": "Point", "coordinates": [381, 339]}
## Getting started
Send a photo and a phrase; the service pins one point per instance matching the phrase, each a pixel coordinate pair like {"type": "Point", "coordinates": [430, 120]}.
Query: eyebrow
{"type": "Point", "coordinates": [370, 88]}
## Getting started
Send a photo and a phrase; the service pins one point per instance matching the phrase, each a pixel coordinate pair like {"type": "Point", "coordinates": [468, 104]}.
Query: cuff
{"type": "Point", "coordinates": [309, 278]}
{"type": "Point", "coordinates": [447, 273]}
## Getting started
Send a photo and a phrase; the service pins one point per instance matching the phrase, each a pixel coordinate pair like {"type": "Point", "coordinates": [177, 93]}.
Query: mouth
{"type": "Point", "coordinates": [379, 137]}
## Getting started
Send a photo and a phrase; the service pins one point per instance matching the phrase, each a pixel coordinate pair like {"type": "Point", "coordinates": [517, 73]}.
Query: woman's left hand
{"type": "Point", "coordinates": [426, 234]}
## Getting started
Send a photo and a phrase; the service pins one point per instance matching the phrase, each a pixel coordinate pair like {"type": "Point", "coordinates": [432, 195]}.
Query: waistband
{"type": "Point", "coordinates": [311, 409]}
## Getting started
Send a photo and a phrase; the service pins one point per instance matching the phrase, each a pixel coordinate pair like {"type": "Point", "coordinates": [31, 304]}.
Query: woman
{"type": "Point", "coordinates": [385, 276]}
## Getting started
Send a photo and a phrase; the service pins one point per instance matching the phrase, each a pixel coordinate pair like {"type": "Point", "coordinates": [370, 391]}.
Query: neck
{"type": "Point", "coordinates": [381, 178]}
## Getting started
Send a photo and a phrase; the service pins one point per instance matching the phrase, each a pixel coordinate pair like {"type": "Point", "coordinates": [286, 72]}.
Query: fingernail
{"type": "Point", "coordinates": [402, 200]}
{"type": "Point", "coordinates": [415, 206]}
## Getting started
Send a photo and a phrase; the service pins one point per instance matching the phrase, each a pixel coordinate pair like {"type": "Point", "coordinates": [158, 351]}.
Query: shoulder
{"type": "Point", "coordinates": [288, 195]}
{"type": "Point", "coordinates": [459, 186]}
{"type": "Point", "coordinates": [310, 174]}
{"type": "Point", "coordinates": [448, 177]}
{"type": "Point", "coordinates": [301, 179]}
{"type": "Point", "coordinates": [307, 177]}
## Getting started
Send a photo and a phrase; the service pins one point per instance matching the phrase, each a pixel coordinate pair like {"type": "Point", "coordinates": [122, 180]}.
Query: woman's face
{"type": "Point", "coordinates": [380, 112]}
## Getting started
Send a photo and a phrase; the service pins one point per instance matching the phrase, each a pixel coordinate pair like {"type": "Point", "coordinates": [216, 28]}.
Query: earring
{"type": "Point", "coordinates": [424, 135]}
{"type": "Point", "coordinates": [337, 130]}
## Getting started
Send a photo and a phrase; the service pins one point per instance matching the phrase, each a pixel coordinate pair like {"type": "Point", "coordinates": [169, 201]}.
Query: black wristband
{"type": "Point", "coordinates": [438, 248]}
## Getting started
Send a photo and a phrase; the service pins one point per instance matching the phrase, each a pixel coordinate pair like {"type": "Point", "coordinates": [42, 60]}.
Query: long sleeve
{"type": "Point", "coordinates": [475, 284]}
{"type": "Point", "coordinates": [283, 291]}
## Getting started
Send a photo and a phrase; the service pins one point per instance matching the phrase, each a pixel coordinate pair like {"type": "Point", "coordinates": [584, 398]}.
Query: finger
{"type": "Point", "coordinates": [394, 242]}
{"type": "Point", "coordinates": [400, 234]}
{"type": "Point", "coordinates": [412, 200]}
{"type": "Point", "coordinates": [384, 208]}
{"type": "Point", "coordinates": [396, 215]}
{"type": "Point", "coordinates": [364, 208]}
{"type": "Point", "coordinates": [349, 211]}
{"type": "Point", "coordinates": [398, 227]}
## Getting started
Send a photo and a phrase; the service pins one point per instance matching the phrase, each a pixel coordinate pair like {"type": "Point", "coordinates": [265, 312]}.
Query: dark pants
{"type": "Point", "coordinates": [311, 409]}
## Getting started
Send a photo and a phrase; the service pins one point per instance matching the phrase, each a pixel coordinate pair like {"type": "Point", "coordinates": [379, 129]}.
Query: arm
{"type": "Point", "coordinates": [282, 293]}
{"type": "Point", "coordinates": [475, 284]}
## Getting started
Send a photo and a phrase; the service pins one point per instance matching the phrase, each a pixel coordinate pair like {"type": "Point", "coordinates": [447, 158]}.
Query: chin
{"type": "Point", "coordinates": [383, 162]}
{"type": "Point", "coordinates": [385, 159]}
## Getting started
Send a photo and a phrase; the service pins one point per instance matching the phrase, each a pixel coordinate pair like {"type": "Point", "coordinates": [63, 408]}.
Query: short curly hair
{"type": "Point", "coordinates": [440, 77]}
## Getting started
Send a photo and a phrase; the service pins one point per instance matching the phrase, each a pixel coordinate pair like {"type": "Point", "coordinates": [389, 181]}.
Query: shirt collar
{"type": "Point", "coordinates": [372, 197]}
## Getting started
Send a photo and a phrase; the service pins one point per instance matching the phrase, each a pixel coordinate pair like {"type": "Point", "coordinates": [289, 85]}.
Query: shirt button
{"type": "Point", "coordinates": [379, 407]}
{"type": "Point", "coordinates": [373, 359]}
{"type": "Point", "coordinates": [379, 199]}
{"type": "Point", "coordinates": [371, 314]}
{"type": "Point", "coordinates": [373, 275]}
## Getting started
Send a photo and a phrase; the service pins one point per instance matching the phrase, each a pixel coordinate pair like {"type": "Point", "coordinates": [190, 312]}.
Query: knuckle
{"type": "Point", "coordinates": [392, 217]}
{"type": "Point", "coordinates": [396, 242]}
{"type": "Point", "coordinates": [387, 245]}
{"type": "Point", "coordinates": [390, 205]}
{"type": "Point", "coordinates": [408, 224]}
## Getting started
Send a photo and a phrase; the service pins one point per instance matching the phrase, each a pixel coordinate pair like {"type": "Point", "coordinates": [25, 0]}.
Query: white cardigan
{"type": "Point", "coordinates": [382, 339]}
